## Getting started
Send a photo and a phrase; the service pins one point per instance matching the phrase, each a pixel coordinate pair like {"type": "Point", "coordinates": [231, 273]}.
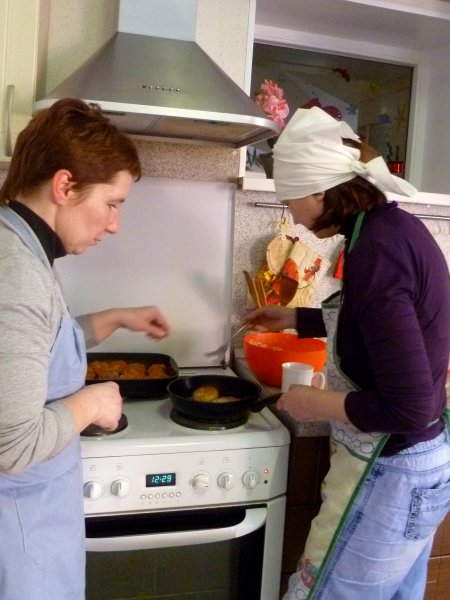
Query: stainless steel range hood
{"type": "Point", "coordinates": [166, 88]}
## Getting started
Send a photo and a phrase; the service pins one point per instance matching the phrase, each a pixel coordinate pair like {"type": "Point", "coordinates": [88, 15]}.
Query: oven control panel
{"type": "Point", "coordinates": [165, 481]}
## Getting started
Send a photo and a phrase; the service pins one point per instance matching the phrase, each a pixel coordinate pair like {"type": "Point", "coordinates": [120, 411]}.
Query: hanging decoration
{"type": "Point", "coordinates": [331, 110]}
{"type": "Point", "coordinates": [339, 267]}
{"type": "Point", "coordinates": [291, 271]}
{"type": "Point", "coordinates": [343, 73]}
{"type": "Point", "coordinates": [373, 88]}
{"type": "Point", "coordinates": [271, 99]}
{"type": "Point", "coordinates": [401, 118]}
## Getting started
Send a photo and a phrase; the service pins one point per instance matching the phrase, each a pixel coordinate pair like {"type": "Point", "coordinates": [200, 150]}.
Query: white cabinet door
{"type": "Point", "coordinates": [19, 20]}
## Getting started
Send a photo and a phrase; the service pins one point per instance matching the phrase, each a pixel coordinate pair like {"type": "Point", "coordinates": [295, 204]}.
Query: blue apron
{"type": "Point", "coordinates": [41, 510]}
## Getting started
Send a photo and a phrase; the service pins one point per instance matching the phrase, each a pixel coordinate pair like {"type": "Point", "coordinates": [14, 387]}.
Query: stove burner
{"type": "Point", "coordinates": [206, 425]}
{"type": "Point", "coordinates": [97, 431]}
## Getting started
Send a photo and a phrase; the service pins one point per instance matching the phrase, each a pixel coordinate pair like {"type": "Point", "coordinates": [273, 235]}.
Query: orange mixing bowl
{"type": "Point", "coordinates": [266, 352]}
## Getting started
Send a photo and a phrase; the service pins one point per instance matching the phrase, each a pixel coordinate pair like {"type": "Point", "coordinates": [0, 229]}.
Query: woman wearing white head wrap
{"type": "Point", "coordinates": [310, 157]}
{"type": "Point", "coordinates": [388, 333]}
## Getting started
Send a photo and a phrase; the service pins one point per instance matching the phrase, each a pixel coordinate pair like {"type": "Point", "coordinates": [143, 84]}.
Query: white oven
{"type": "Point", "coordinates": [185, 514]}
{"type": "Point", "coordinates": [171, 511]}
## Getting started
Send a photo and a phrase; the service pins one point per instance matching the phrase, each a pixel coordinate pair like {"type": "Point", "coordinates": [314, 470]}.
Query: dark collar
{"type": "Point", "coordinates": [50, 242]}
{"type": "Point", "coordinates": [347, 227]}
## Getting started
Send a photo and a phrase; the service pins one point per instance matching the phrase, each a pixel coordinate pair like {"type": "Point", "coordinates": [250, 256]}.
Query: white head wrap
{"type": "Point", "coordinates": [309, 157]}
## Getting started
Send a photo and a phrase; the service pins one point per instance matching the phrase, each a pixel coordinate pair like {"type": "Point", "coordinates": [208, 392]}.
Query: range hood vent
{"type": "Point", "coordinates": [165, 88]}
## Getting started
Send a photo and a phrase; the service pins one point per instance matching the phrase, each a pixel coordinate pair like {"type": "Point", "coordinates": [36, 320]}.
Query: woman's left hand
{"type": "Point", "coordinates": [308, 403]}
{"type": "Point", "coordinates": [147, 319]}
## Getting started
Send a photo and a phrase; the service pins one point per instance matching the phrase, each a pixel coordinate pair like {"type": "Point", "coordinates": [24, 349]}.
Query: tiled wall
{"type": "Point", "coordinates": [255, 227]}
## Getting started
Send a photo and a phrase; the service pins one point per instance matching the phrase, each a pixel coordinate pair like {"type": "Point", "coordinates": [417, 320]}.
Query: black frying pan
{"type": "Point", "coordinates": [248, 396]}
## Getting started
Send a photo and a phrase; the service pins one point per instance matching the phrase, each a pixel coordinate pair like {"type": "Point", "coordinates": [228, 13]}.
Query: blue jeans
{"type": "Point", "coordinates": [383, 551]}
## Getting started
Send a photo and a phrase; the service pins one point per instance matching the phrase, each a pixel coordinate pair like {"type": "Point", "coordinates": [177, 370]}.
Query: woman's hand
{"type": "Point", "coordinates": [146, 319]}
{"type": "Point", "coordinates": [271, 318]}
{"type": "Point", "coordinates": [307, 403]}
{"type": "Point", "coordinates": [99, 403]}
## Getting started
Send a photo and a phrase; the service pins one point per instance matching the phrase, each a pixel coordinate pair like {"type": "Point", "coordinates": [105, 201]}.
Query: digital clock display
{"type": "Point", "coordinates": [160, 480]}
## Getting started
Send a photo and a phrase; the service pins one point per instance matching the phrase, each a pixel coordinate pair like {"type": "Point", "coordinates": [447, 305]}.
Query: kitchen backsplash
{"type": "Point", "coordinates": [256, 226]}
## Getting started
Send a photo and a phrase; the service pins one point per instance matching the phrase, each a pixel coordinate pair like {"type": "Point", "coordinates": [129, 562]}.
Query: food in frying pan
{"type": "Point", "coordinates": [206, 393]}
{"type": "Point", "coordinates": [209, 393]}
{"type": "Point", "coordinates": [121, 369]}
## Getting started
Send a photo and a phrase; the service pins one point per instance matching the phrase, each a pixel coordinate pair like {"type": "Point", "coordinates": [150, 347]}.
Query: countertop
{"type": "Point", "coordinates": [309, 429]}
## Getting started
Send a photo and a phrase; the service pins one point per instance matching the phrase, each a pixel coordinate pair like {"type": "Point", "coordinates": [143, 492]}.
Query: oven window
{"type": "Point", "coordinates": [221, 570]}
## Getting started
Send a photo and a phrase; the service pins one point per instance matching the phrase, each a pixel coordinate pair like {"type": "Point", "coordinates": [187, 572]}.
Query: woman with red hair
{"type": "Point", "coordinates": [69, 176]}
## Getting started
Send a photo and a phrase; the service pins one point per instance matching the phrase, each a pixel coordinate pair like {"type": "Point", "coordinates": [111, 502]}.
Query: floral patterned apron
{"type": "Point", "coordinates": [353, 453]}
{"type": "Point", "coordinates": [41, 510]}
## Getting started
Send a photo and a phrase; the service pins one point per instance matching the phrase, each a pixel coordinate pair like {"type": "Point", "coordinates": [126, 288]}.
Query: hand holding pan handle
{"type": "Point", "coordinates": [261, 403]}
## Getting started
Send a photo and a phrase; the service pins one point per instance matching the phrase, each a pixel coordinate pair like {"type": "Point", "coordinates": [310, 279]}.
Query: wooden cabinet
{"type": "Point", "coordinates": [438, 581]}
{"type": "Point", "coordinates": [41, 42]}
{"type": "Point", "coordinates": [19, 21]}
{"type": "Point", "coordinates": [309, 462]}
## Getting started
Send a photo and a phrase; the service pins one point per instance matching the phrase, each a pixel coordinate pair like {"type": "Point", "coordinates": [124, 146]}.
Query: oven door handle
{"type": "Point", "coordinates": [254, 520]}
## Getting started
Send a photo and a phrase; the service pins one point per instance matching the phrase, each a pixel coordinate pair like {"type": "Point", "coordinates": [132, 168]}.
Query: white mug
{"type": "Point", "coordinates": [294, 373]}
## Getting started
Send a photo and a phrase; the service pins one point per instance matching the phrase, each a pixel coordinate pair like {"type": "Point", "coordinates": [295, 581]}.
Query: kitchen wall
{"type": "Point", "coordinates": [255, 227]}
{"type": "Point", "coordinates": [68, 23]}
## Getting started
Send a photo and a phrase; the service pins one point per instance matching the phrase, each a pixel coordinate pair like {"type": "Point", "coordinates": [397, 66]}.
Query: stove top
{"type": "Point", "coordinates": [221, 424]}
{"type": "Point", "coordinates": [151, 430]}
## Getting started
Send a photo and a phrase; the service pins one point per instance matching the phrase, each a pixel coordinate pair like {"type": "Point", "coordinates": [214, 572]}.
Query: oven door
{"type": "Point", "coordinates": [207, 554]}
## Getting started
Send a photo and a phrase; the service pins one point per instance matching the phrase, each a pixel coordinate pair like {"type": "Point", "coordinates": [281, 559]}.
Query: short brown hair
{"type": "Point", "coordinates": [351, 197]}
{"type": "Point", "coordinates": [72, 135]}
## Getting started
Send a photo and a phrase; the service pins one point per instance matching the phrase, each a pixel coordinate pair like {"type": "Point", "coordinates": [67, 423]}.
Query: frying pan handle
{"type": "Point", "coordinates": [261, 403]}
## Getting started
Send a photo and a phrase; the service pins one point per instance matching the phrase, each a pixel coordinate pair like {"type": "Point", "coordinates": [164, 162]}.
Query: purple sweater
{"type": "Point", "coordinates": [393, 334]}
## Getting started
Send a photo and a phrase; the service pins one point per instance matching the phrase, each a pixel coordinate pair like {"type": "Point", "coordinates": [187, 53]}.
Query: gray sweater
{"type": "Point", "coordinates": [30, 313]}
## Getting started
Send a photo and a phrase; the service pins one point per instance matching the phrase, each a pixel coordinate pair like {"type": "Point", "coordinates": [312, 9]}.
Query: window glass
{"type": "Point", "coordinates": [373, 97]}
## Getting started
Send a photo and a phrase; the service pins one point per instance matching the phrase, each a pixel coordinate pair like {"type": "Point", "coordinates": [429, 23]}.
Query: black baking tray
{"type": "Point", "coordinates": [139, 389]}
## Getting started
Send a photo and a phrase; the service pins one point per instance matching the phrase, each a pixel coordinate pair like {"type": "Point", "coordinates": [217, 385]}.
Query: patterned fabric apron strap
{"type": "Point", "coordinates": [353, 454]}
{"type": "Point", "coordinates": [446, 417]}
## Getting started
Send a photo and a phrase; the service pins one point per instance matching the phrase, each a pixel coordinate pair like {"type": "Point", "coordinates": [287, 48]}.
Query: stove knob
{"type": "Point", "coordinates": [201, 482]}
{"type": "Point", "coordinates": [120, 488]}
{"type": "Point", "coordinates": [92, 490]}
{"type": "Point", "coordinates": [226, 480]}
{"type": "Point", "coordinates": [250, 479]}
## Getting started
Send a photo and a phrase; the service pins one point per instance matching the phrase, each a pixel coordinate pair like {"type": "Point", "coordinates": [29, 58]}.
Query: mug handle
{"type": "Point", "coordinates": [318, 380]}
